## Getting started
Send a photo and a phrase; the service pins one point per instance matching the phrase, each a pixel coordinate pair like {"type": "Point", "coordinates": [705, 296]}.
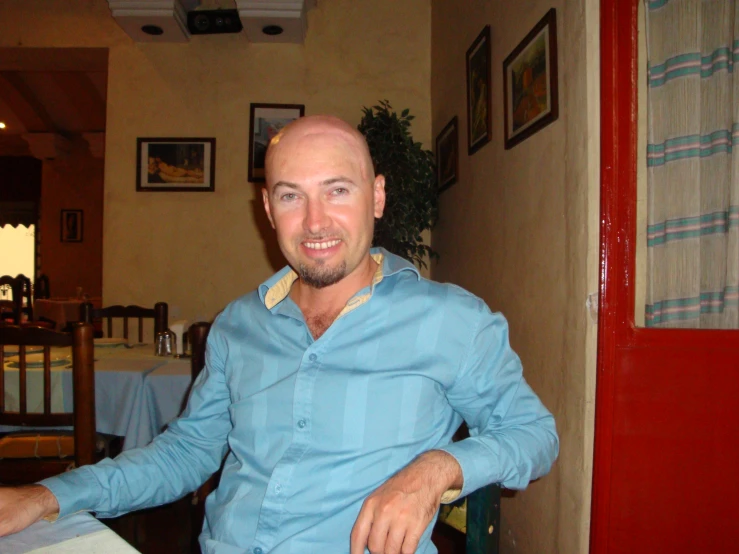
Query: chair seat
{"type": "Point", "coordinates": [47, 444]}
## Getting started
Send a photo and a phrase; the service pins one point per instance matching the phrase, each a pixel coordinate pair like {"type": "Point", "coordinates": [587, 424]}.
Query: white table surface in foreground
{"type": "Point", "coordinates": [79, 533]}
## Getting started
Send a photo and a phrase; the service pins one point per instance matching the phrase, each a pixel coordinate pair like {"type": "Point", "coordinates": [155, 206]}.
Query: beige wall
{"type": "Point", "coordinates": [198, 251]}
{"type": "Point", "coordinates": [520, 229]}
{"type": "Point", "coordinates": [74, 182]}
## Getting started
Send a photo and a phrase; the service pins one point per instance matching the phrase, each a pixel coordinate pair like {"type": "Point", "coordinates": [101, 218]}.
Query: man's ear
{"type": "Point", "coordinates": [265, 199]}
{"type": "Point", "coordinates": [379, 195]}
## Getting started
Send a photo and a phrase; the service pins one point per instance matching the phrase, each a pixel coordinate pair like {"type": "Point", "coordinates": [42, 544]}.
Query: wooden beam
{"type": "Point", "coordinates": [24, 104]}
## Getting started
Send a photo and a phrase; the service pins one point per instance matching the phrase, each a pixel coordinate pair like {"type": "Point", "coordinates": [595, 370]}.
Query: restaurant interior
{"type": "Point", "coordinates": [84, 92]}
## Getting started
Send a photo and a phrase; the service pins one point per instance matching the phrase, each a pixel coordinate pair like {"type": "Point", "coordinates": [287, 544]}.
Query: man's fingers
{"type": "Point", "coordinates": [412, 536]}
{"type": "Point", "coordinates": [395, 538]}
{"type": "Point", "coordinates": [361, 530]}
{"type": "Point", "coordinates": [378, 533]}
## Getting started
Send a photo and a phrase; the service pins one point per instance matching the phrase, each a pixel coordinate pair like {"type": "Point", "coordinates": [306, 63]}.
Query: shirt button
{"type": "Point", "coordinates": [278, 488]}
{"type": "Point", "coordinates": [301, 424]}
{"type": "Point", "coordinates": [312, 357]}
{"type": "Point", "coordinates": [258, 550]}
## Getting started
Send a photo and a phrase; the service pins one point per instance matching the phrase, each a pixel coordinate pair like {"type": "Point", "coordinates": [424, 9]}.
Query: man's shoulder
{"type": "Point", "coordinates": [240, 309]}
{"type": "Point", "coordinates": [447, 294]}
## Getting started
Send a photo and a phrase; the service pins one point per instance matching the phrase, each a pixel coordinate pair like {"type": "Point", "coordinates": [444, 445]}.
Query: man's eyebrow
{"type": "Point", "coordinates": [337, 179]}
{"type": "Point", "coordinates": [286, 184]}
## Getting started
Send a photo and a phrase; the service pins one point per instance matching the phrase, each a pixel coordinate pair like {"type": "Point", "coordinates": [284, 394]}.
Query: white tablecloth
{"type": "Point", "coordinates": [79, 533]}
{"type": "Point", "coordinates": [122, 407]}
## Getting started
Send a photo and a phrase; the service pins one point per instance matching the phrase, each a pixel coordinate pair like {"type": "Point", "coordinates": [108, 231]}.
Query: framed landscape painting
{"type": "Point", "coordinates": [266, 120]}
{"type": "Point", "coordinates": [530, 82]}
{"type": "Point", "coordinates": [175, 164]}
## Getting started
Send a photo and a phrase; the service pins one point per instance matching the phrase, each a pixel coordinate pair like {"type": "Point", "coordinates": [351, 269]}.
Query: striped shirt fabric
{"type": "Point", "coordinates": [311, 427]}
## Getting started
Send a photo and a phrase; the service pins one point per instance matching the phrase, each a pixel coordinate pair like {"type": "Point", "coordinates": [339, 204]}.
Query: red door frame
{"type": "Point", "coordinates": [616, 331]}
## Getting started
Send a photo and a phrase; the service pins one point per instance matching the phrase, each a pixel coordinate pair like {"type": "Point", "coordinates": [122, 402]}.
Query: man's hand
{"type": "Point", "coordinates": [22, 506]}
{"type": "Point", "coordinates": [394, 517]}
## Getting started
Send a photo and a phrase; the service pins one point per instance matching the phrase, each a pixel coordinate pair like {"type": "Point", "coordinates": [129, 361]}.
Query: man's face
{"type": "Point", "coordinates": [322, 201]}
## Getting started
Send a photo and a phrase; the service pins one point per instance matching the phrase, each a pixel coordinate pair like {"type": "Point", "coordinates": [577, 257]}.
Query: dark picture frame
{"type": "Point", "coordinates": [71, 225]}
{"type": "Point", "coordinates": [479, 93]}
{"type": "Point", "coordinates": [447, 155]}
{"type": "Point", "coordinates": [265, 120]}
{"type": "Point", "coordinates": [175, 164]}
{"type": "Point", "coordinates": [530, 82]}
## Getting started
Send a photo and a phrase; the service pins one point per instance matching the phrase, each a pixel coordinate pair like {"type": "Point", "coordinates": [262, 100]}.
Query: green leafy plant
{"type": "Point", "coordinates": [412, 195]}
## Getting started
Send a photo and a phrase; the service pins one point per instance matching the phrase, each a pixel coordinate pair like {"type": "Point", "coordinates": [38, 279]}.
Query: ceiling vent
{"type": "Point", "coordinates": [154, 20]}
{"type": "Point", "coordinates": [275, 20]}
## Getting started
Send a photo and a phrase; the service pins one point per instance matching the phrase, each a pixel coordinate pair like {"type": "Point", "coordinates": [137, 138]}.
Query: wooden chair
{"type": "Point", "coordinates": [41, 288]}
{"type": "Point", "coordinates": [11, 307]}
{"type": "Point", "coordinates": [26, 457]}
{"type": "Point", "coordinates": [159, 313]}
{"type": "Point", "coordinates": [198, 335]}
{"type": "Point", "coordinates": [482, 519]}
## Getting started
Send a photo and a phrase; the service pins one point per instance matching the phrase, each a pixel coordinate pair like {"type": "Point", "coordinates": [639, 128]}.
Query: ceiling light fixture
{"type": "Point", "coordinates": [272, 30]}
{"type": "Point", "coordinates": [152, 30]}
{"type": "Point", "coordinates": [2, 125]}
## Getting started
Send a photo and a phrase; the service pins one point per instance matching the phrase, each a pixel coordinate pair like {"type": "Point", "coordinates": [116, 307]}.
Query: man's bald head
{"type": "Point", "coordinates": [316, 130]}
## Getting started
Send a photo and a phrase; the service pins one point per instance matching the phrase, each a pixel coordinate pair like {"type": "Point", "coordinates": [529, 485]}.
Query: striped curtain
{"type": "Point", "coordinates": [693, 178]}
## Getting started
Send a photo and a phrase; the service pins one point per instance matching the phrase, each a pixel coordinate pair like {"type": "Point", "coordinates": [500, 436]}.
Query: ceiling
{"type": "Point", "coordinates": [51, 90]}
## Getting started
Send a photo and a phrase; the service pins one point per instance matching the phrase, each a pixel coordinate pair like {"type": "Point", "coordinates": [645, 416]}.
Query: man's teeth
{"type": "Point", "coordinates": [321, 245]}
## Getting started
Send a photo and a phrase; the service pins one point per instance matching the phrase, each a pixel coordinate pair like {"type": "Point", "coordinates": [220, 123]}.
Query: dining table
{"type": "Point", "coordinates": [127, 403]}
{"type": "Point", "coordinates": [79, 533]}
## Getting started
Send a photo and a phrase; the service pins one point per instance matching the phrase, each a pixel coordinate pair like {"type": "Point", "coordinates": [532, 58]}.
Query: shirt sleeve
{"type": "Point", "coordinates": [176, 462]}
{"type": "Point", "coordinates": [513, 438]}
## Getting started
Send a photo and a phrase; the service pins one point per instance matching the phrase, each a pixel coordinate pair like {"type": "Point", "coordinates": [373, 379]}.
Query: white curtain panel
{"type": "Point", "coordinates": [693, 178]}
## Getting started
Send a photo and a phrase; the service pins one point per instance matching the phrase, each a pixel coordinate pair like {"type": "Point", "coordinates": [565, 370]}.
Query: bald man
{"type": "Point", "coordinates": [333, 390]}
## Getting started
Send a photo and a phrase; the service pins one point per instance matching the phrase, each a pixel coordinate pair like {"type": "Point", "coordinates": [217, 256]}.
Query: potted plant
{"type": "Point", "coordinates": [412, 196]}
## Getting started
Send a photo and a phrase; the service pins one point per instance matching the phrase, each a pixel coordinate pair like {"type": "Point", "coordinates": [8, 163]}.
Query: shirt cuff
{"type": "Point", "coordinates": [75, 491]}
{"type": "Point", "coordinates": [476, 468]}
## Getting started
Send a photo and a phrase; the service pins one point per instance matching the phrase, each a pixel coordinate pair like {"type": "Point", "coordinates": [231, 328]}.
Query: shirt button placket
{"type": "Point", "coordinates": [258, 550]}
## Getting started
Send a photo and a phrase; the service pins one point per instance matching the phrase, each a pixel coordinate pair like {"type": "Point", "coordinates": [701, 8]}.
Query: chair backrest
{"type": "Point", "coordinates": [26, 295]}
{"type": "Point", "coordinates": [83, 381]}
{"type": "Point", "coordinates": [197, 334]}
{"type": "Point", "coordinates": [159, 313]}
{"type": "Point", "coordinates": [41, 287]}
{"type": "Point", "coordinates": [14, 304]}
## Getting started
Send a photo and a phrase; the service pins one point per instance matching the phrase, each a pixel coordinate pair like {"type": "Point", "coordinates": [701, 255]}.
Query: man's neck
{"type": "Point", "coordinates": [333, 298]}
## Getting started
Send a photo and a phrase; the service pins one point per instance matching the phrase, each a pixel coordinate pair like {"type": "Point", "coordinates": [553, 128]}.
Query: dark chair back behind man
{"type": "Point", "coordinates": [159, 313]}
{"type": "Point", "coordinates": [198, 336]}
{"type": "Point", "coordinates": [26, 457]}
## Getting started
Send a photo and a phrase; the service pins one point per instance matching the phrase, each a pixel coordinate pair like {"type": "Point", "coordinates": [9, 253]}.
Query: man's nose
{"type": "Point", "coordinates": [316, 218]}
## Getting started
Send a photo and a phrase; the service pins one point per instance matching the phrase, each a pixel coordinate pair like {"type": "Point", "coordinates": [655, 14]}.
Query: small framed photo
{"type": "Point", "coordinates": [530, 82]}
{"type": "Point", "coordinates": [265, 121]}
{"type": "Point", "coordinates": [447, 155]}
{"type": "Point", "coordinates": [479, 103]}
{"type": "Point", "coordinates": [71, 226]}
{"type": "Point", "coordinates": [175, 164]}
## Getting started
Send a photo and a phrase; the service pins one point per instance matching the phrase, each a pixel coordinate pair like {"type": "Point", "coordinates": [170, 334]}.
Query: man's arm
{"type": "Point", "coordinates": [513, 440]}
{"type": "Point", "coordinates": [176, 462]}
{"type": "Point", "coordinates": [22, 506]}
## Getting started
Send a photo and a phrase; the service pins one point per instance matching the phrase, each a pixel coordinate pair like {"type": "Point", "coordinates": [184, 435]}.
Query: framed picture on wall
{"type": "Point", "coordinates": [479, 103]}
{"type": "Point", "coordinates": [265, 121]}
{"type": "Point", "coordinates": [175, 164]}
{"type": "Point", "coordinates": [71, 226]}
{"type": "Point", "coordinates": [530, 82]}
{"type": "Point", "coordinates": [447, 155]}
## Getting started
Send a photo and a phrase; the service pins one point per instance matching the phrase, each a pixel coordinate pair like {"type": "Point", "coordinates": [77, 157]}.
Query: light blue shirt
{"type": "Point", "coordinates": [312, 427]}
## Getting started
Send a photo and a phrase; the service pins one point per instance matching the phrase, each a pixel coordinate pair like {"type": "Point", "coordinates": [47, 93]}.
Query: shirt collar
{"type": "Point", "coordinates": [275, 289]}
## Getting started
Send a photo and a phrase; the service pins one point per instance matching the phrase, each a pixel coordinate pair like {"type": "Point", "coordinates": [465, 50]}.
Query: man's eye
{"type": "Point", "coordinates": [288, 196]}
{"type": "Point", "coordinates": [340, 191]}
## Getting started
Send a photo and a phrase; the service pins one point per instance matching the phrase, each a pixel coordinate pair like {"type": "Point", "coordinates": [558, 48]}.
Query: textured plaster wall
{"type": "Point", "coordinates": [520, 229]}
{"type": "Point", "coordinates": [73, 183]}
{"type": "Point", "coordinates": [198, 251]}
